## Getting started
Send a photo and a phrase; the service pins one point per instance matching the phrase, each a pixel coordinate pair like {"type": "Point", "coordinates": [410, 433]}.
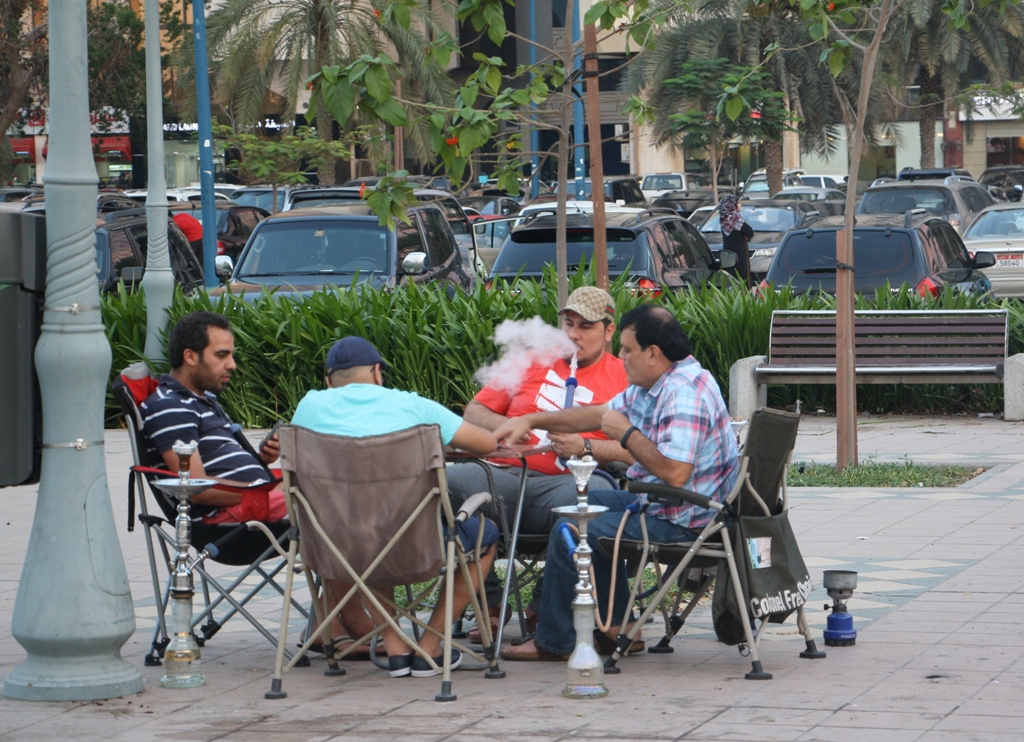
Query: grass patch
{"type": "Point", "coordinates": [880, 474]}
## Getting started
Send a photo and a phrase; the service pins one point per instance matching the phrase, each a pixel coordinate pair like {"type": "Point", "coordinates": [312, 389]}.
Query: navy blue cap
{"type": "Point", "coordinates": [350, 352]}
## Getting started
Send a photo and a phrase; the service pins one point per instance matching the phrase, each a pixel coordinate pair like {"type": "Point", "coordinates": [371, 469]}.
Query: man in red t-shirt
{"type": "Point", "coordinates": [192, 228]}
{"type": "Point", "coordinates": [588, 318]}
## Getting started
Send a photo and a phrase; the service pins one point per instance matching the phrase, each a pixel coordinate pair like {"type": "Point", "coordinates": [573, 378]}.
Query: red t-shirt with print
{"type": "Point", "coordinates": [543, 390]}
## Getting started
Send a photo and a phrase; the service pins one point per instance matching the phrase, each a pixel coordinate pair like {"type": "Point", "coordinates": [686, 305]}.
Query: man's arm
{"type": "Point", "coordinates": [571, 444]}
{"type": "Point", "coordinates": [475, 439]}
{"type": "Point", "coordinates": [482, 415]}
{"type": "Point", "coordinates": [575, 420]}
{"type": "Point", "coordinates": [670, 471]}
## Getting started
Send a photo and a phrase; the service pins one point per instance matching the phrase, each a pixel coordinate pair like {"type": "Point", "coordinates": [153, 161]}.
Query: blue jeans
{"type": "Point", "coordinates": [555, 631]}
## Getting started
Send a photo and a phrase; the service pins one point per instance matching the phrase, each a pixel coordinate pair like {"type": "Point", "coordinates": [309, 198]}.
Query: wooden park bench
{"type": "Point", "coordinates": [965, 346]}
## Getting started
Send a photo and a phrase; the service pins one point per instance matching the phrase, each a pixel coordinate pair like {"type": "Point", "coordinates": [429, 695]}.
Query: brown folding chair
{"type": "Point", "coordinates": [374, 512]}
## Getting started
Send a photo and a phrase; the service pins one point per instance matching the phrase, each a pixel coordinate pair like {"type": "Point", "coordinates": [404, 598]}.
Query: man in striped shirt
{"type": "Point", "coordinates": [673, 422]}
{"type": "Point", "coordinates": [184, 407]}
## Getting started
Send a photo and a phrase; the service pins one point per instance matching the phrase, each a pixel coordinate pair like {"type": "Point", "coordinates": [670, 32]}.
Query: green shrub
{"type": "Point", "coordinates": [434, 343]}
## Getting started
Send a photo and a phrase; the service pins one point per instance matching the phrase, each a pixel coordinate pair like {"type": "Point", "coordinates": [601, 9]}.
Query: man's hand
{"type": "Point", "coordinates": [614, 424]}
{"type": "Point", "coordinates": [270, 451]}
{"type": "Point", "coordinates": [567, 445]}
{"type": "Point", "coordinates": [514, 431]}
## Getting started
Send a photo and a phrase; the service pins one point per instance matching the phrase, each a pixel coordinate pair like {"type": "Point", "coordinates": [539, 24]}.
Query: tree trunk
{"type": "Point", "coordinates": [324, 122]}
{"type": "Point", "coordinates": [773, 165]}
{"type": "Point", "coordinates": [716, 165]}
{"type": "Point", "coordinates": [930, 109]}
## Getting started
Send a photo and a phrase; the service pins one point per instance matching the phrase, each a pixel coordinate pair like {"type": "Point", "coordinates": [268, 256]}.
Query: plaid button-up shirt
{"type": "Point", "coordinates": [684, 414]}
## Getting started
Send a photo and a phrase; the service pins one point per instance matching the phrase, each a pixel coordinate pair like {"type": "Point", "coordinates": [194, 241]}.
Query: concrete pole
{"type": "Point", "coordinates": [205, 145]}
{"type": "Point", "coordinates": [158, 281]}
{"type": "Point", "coordinates": [579, 150]}
{"type": "Point", "coordinates": [74, 609]}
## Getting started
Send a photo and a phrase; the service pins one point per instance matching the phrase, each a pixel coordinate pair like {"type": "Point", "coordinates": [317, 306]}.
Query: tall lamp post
{"type": "Point", "coordinates": [158, 279]}
{"type": "Point", "coordinates": [73, 611]}
{"type": "Point", "coordinates": [205, 144]}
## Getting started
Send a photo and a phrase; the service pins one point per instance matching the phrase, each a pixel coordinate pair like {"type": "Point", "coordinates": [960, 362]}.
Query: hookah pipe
{"type": "Point", "coordinates": [570, 391]}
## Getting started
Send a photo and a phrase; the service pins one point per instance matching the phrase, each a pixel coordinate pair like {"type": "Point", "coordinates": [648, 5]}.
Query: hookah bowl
{"type": "Point", "coordinates": [839, 584]}
{"type": "Point", "coordinates": [182, 658]}
{"type": "Point", "coordinates": [585, 669]}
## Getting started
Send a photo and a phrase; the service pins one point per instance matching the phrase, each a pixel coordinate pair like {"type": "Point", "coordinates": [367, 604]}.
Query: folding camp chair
{"type": "Point", "coordinates": [761, 480]}
{"type": "Point", "coordinates": [231, 544]}
{"type": "Point", "coordinates": [370, 512]}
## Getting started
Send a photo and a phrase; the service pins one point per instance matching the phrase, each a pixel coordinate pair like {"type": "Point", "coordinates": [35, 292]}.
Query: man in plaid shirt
{"type": "Point", "coordinates": [674, 423]}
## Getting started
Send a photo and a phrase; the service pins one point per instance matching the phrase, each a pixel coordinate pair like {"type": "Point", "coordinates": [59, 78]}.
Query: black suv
{"type": "Point", "coordinates": [304, 250]}
{"type": "Point", "coordinates": [658, 249]}
{"type": "Point", "coordinates": [121, 242]}
{"type": "Point", "coordinates": [619, 189]}
{"type": "Point", "coordinates": [917, 249]}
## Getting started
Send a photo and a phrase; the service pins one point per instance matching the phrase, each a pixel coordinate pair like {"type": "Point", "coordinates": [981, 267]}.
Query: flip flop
{"type": "Point", "coordinates": [530, 652]}
{"type": "Point", "coordinates": [360, 654]}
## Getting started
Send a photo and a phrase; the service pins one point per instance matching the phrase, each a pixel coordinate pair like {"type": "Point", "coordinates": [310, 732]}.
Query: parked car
{"type": "Point", "coordinates": [658, 251]}
{"type": "Point", "coordinates": [918, 249]}
{"type": "Point", "coordinates": [122, 239]}
{"type": "Point", "coordinates": [16, 194]}
{"type": "Point", "coordinates": [303, 250]}
{"type": "Point", "coordinates": [685, 202]}
{"type": "Point", "coordinates": [658, 184]}
{"type": "Point", "coordinates": [1007, 179]}
{"type": "Point", "coordinates": [491, 205]}
{"type": "Point", "coordinates": [770, 221]}
{"type": "Point", "coordinates": [174, 195]}
{"type": "Point", "coordinates": [808, 193]}
{"type": "Point", "coordinates": [999, 230]}
{"type": "Point", "coordinates": [234, 223]}
{"type": "Point", "coordinates": [262, 197]}
{"type": "Point", "coordinates": [106, 202]}
{"type": "Point", "coordinates": [457, 219]}
{"type": "Point", "coordinates": [757, 184]}
{"type": "Point", "coordinates": [437, 182]}
{"type": "Point", "coordinates": [620, 189]}
{"type": "Point", "coordinates": [816, 180]}
{"type": "Point", "coordinates": [933, 173]}
{"type": "Point", "coordinates": [954, 199]}
{"type": "Point", "coordinates": [700, 215]}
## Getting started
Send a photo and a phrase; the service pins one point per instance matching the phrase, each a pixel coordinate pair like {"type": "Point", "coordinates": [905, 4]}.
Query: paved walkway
{"type": "Point", "coordinates": [940, 609]}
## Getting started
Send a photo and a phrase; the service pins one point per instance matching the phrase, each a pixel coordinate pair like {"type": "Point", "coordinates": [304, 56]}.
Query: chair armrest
{"type": "Point", "coordinates": [471, 505]}
{"type": "Point", "coordinates": [674, 496]}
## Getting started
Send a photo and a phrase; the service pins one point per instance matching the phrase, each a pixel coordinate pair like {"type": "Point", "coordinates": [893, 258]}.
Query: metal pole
{"type": "Point", "coordinates": [596, 155]}
{"type": "Point", "coordinates": [534, 134]}
{"type": "Point", "coordinates": [578, 135]}
{"type": "Point", "coordinates": [74, 608]}
{"type": "Point", "coordinates": [205, 144]}
{"type": "Point", "coordinates": [158, 280]}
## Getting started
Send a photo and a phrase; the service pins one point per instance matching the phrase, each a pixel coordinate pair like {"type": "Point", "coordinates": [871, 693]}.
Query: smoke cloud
{"type": "Point", "coordinates": [523, 343]}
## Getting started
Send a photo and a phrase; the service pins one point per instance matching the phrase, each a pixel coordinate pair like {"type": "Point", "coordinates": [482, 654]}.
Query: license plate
{"type": "Point", "coordinates": [1009, 261]}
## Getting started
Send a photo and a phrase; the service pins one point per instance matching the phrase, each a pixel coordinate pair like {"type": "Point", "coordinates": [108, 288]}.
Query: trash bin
{"type": "Point", "coordinates": [22, 289]}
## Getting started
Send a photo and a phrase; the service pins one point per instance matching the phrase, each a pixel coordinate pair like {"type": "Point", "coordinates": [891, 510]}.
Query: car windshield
{"type": "Point", "coordinates": [760, 219]}
{"type": "Point", "coordinates": [662, 183]}
{"type": "Point", "coordinates": [1009, 223]}
{"type": "Point", "coordinates": [808, 259]}
{"type": "Point", "coordinates": [316, 246]}
{"type": "Point", "coordinates": [938, 201]}
{"type": "Point", "coordinates": [529, 250]}
{"type": "Point", "coordinates": [757, 186]}
{"type": "Point", "coordinates": [260, 199]}
{"type": "Point", "coordinates": [804, 196]}
{"type": "Point", "coordinates": [222, 219]}
{"type": "Point", "coordinates": [322, 199]}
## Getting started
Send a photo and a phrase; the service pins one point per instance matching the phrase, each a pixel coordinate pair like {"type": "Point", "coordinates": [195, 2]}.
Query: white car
{"type": "Point", "coordinates": [999, 230]}
{"type": "Point", "coordinates": [658, 184]}
{"type": "Point", "coordinates": [822, 180]}
{"type": "Point", "coordinates": [179, 195]}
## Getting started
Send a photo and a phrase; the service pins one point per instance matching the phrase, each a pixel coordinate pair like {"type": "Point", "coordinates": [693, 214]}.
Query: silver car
{"type": "Point", "coordinates": [955, 199]}
{"type": "Point", "coordinates": [999, 230]}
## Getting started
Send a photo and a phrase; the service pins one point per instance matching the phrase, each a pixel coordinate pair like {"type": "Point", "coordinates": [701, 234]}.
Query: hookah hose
{"type": "Point", "coordinates": [567, 529]}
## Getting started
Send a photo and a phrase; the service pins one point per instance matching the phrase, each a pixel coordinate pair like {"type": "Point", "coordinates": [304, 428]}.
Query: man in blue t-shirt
{"type": "Point", "coordinates": [355, 403]}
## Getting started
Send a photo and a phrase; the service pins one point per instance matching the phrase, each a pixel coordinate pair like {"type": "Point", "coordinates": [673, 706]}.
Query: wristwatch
{"type": "Point", "coordinates": [588, 449]}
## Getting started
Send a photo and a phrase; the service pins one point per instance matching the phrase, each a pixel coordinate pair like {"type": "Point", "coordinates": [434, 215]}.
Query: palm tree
{"type": "Point", "coordinates": [739, 31]}
{"type": "Point", "coordinates": [942, 58]}
{"type": "Point", "coordinates": [260, 43]}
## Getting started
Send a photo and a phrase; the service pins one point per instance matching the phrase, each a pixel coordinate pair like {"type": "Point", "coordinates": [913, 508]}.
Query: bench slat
{"type": "Point", "coordinates": [863, 329]}
{"type": "Point", "coordinates": [993, 341]}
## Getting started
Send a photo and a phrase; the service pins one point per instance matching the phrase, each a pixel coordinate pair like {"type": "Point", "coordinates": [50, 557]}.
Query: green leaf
{"type": "Point", "coordinates": [493, 79]}
{"type": "Point", "coordinates": [389, 111]}
{"type": "Point", "coordinates": [468, 94]}
{"type": "Point", "coordinates": [596, 10]}
{"type": "Point", "coordinates": [338, 98]}
{"type": "Point", "coordinates": [734, 107]}
{"type": "Point", "coordinates": [402, 15]}
{"type": "Point", "coordinates": [836, 63]}
{"type": "Point", "coordinates": [378, 82]}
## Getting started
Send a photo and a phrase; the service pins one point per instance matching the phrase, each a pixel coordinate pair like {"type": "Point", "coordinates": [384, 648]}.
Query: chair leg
{"type": "Point", "coordinates": [446, 695]}
{"type": "Point", "coordinates": [756, 671]}
{"type": "Point", "coordinates": [812, 652]}
{"type": "Point", "coordinates": [275, 691]}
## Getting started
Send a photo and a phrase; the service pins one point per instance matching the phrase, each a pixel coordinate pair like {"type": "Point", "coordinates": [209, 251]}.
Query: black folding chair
{"type": "Point", "coordinates": [231, 544]}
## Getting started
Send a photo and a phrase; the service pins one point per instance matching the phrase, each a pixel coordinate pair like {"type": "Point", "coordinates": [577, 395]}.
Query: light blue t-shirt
{"type": "Point", "coordinates": [361, 410]}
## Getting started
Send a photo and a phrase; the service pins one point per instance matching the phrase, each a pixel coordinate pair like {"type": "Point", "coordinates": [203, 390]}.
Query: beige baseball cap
{"type": "Point", "coordinates": [591, 303]}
